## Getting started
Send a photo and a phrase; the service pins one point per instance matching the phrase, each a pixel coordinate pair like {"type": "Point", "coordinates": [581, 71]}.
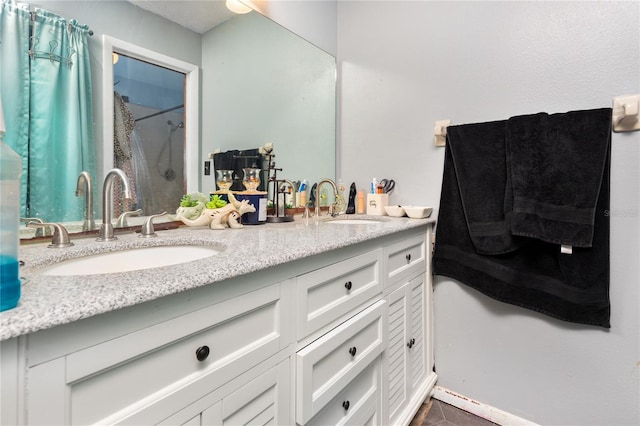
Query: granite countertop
{"type": "Point", "coordinates": [49, 301]}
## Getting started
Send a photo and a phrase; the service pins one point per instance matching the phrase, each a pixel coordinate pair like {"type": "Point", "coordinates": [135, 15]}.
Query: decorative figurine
{"type": "Point", "coordinates": [351, 207]}
{"type": "Point", "coordinates": [219, 218]}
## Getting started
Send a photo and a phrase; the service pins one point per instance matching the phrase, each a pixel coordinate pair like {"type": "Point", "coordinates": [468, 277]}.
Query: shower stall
{"type": "Point", "coordinates": [154, 97]}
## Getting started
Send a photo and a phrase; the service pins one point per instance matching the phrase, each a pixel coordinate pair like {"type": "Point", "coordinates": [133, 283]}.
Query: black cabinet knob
{"type": "Point", "coordinates": [352, 351]}
{"type": "Point", "coordinates": [408, 257]}
{"type": "Point", "coordinates": [410, 343]}
{"type": "Point", "coordinates": [345, 405]}
{"type": "Point", "coordinates": [348, 285]}
{"type": "Point", "coordinates": [202, 353]}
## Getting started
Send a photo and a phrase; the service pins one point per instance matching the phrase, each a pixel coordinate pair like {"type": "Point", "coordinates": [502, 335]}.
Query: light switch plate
{"type": "Point", "coordinates": [626, 113]}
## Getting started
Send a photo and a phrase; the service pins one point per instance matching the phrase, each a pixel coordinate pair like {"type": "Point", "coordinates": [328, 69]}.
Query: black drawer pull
{"type": "Point", "coordinates": [348, 285]}
{"type": "Point", "coordinates": [352, 351]}
{"type": "Point", "coordinates": [411, 343]}
{"type": "Point", "coordinates": [345, 405]}
{"type": "Point", "coordinates": [202, 353]}
{"type": "Point", "coordinates": [408, 257]}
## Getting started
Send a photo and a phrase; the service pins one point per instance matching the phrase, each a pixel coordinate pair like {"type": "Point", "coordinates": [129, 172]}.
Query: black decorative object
{"type": "Point", "coordinates": [351, 207]}
{"type": "Point", "coordinates": [312, 196]}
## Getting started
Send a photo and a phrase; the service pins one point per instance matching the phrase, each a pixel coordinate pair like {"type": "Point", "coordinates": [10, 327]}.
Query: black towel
{"type": "Point", "coordinates": [479, 157]}
{"type": "Point", "coordinates": [557, 165]}
{"type": "Point", "coordinates": [537, 276]}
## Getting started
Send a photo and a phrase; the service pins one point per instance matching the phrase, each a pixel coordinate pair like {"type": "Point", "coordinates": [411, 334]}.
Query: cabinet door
{"type": "Point", "coordinates": [406, 354]}
{"type": "Point", "coordinates": [417, 337]}
{"type": "Point", "coordinates": [261, 400]}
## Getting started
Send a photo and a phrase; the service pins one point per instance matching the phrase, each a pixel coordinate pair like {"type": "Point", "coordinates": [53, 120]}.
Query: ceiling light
{"type": "Point", "coordinates": [236, 6]}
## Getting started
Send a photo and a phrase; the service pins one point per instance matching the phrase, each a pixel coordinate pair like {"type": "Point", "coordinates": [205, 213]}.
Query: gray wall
{"type": "Point", "coordinates": [404, 65]}
{"type": "Point", "coordinates": [261, 83]}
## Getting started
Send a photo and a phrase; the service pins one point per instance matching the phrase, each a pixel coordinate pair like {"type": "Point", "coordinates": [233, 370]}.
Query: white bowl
{"type": "Point", "coordinates": [417, 212]}
{"type": "Point", "coordinates": [395, 211]}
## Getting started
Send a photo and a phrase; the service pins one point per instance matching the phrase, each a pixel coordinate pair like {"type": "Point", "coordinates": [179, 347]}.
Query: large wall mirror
{"type": "Point", "coordinates": [249, 82]}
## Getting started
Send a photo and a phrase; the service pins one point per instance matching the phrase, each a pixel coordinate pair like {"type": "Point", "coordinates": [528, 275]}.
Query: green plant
{"type": "Point", "coordinates": [216, 202]}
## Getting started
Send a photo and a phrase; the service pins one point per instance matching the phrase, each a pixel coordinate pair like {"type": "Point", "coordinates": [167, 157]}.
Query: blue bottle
{"type": "Point", "coordinates": [10, 171]}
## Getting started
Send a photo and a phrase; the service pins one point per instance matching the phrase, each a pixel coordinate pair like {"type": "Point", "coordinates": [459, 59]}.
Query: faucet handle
{"type": "Point", "coordinates": [147, 230]}
{"type": "Point", "coordinates": [122, 219]}
{"type": "Point", "coordinates": [60, 235]}
{"type": "Point", "coordinates": [40, 231]}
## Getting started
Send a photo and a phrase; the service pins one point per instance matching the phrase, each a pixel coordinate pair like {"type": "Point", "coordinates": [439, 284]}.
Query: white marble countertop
{"type": "Point", "coordinates": [49, 301]}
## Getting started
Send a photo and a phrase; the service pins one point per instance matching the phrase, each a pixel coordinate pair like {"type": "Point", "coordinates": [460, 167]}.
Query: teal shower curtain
{"type": "Point", "coordinates": [14, 86]}
{"type": "Point", "coordinates": [60, 109]}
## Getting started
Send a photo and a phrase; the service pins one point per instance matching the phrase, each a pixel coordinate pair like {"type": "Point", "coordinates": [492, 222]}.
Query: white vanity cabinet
{"type": "Point", "coordinates": [149, 374]}
{"type": "Point", "coordinates": [341, 337]}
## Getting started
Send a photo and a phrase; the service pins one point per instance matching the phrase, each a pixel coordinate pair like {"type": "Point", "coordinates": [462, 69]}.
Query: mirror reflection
{"type": "Point", "coordinates": [148, 134]}
{"type": "Point", "coordinates": [269, 97]}
{"type": "Point", "coordinates": [263, 84]}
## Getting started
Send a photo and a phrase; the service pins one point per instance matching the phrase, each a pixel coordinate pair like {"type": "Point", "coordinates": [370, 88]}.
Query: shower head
{"type": "Point", "coordinates": [180, 125]}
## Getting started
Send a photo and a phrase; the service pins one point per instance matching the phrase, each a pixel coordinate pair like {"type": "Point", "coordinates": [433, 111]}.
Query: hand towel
{"type": "Point", "coordinates": [536, 276]}
{"type": "Point", "coordinates": [557, 165]}
{"type": "Point", "coordinates": [479, 158]}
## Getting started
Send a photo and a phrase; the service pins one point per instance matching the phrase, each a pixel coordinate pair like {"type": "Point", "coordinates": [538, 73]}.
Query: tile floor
{"type": "Point", "coordinates": [442, 414]}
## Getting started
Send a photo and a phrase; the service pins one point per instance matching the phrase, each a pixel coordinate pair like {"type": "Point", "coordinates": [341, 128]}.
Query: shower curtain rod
{"type": "Point", "coordinates": [160, 112]}
{"type": "Point", "coordinates": [32, 15]}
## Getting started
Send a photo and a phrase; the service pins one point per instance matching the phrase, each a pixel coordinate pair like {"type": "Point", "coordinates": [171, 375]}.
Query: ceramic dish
{"type": "Point", "coordinates": [395, 211]}
{"type": "Point", "coordinates": [417, 212]}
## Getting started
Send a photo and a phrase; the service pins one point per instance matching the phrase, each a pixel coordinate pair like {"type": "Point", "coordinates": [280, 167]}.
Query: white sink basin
{"type": "Point", "coordinates": [354, 221]}
{"type": "Point", "coordinates": [129, 260]}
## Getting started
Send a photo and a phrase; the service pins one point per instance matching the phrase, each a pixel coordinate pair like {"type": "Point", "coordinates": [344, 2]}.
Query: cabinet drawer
{"type": "Point", "coordinates": [329, 364]}
{"type": "Point", "coordinates": [329, 294]}
{"type": "Point", "coordinates": [405, 258]}
{"type": "Point", "coordinates": [113, 380]}
{"type": "Point", "coordinates": [357, 404]}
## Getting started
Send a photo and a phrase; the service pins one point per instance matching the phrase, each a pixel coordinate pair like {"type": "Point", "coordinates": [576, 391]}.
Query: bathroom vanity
{"type": "Point", "coordinates": [303, 323]}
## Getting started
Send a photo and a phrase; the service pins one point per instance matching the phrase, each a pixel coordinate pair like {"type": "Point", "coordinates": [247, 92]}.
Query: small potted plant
{"type": "Point", "coordinates": [192, 205]}
{"type": "Point", "coordinates": [289, 209]}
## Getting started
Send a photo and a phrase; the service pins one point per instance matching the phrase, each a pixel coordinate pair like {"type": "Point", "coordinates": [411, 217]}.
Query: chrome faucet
{"type": "Point", "coordinates": [147, 230]}
{"type": "Point", "coordinates": [41, 231]}
{"type": "Point", "coordinates": [106, 229]}
{"type": "Point", "coordinates": [85, 187]}
{"type": "Point", "coordinates": [60, 235]}
{"type": "Point", "coordinates": [122, 219]}
{"type": "Point", "coordinates": [335, 196]}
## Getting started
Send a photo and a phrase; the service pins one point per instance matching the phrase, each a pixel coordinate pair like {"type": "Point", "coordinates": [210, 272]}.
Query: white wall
{"type": "Point", "coordinates": [404, 65]}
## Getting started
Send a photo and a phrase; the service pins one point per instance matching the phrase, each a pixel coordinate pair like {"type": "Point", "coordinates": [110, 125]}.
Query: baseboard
{"type": "Point", "coordinates": [478, 408]}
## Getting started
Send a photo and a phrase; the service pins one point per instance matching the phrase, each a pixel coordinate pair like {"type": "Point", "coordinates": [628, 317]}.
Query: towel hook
{"type": "Point", "coordinates": [440, 131]}
{"type": "Point", "coordinates": [626, 113]}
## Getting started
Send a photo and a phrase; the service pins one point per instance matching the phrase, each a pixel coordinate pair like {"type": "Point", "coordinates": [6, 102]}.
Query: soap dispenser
{"type": "Point", "coordinates": [10, 171]}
